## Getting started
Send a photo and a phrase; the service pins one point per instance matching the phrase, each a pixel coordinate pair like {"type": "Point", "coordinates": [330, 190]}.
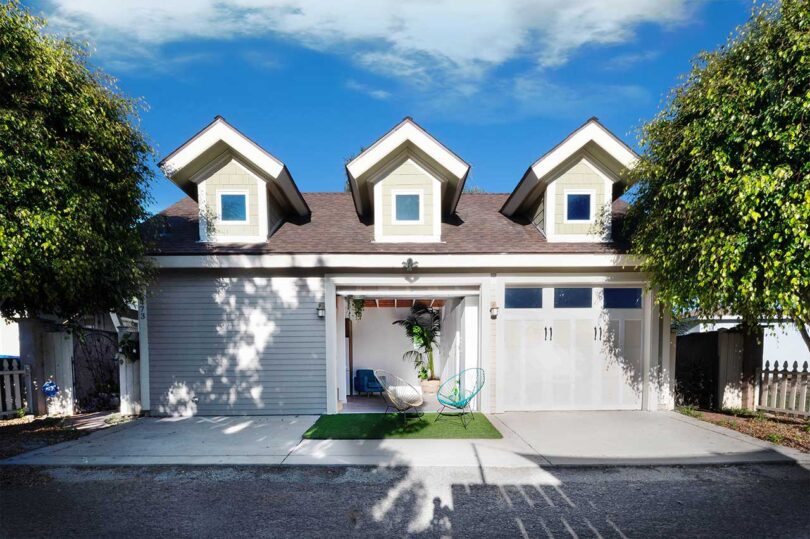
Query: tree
{"type": "Point", "coordinates": [722, 213]}
{"type": "Point", "coordinates": [422, 326]}
{"type": "Point", "coordinates": [74, 170]}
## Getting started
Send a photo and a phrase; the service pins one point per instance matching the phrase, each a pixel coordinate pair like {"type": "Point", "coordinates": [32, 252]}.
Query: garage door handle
{"type": "Point", "coordinates": [551, 333]}
{"type": "Point", "coordinates": [545, 333]}
{"type": "Point", "coordinates": [594, 333]}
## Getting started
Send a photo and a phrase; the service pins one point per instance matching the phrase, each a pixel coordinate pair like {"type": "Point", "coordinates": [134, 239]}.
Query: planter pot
{"type": "Point", "coordinates": [430, 387]}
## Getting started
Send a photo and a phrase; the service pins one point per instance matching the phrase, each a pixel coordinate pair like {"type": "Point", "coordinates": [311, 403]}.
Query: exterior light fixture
{"type": "Point", "coordinates": [321, 310]}
{"type": "Point", "coordinates": [493, 311]}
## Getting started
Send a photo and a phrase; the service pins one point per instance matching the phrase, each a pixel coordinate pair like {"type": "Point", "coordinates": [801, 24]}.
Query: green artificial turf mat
{"type": "Point", "coordinates": [379, 426]}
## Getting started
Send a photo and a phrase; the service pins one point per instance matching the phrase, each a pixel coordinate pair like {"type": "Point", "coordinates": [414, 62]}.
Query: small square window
{"type": "Point", "coordinates": [407, 207]}
{"type": "Point", "coordinates": [573, 298]}
{"type": "Point", "coordinates": [622, 298]}
{"type": "Point", "coordinates": [578, 207]}
{"type": "Point", "coordinates": [233, 207]}
{"type": "Point", "coordinates": [523, 298]}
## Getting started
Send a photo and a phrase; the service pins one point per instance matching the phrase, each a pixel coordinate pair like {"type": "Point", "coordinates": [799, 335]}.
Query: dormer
{"type": "Point", "coordinates": [243, 193]}
{"type": "Point", "coordinates": [406, 183]}
{"type": "Point", "coordinates": [567, 193]}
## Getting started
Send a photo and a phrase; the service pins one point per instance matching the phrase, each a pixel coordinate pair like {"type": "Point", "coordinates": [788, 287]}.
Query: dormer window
{"type": "Point", "coordinates": [407, 207]}
{"type": "Point", "coordinates": [232, 207]}
{"type": "Point", "coordinates": [579, 206]}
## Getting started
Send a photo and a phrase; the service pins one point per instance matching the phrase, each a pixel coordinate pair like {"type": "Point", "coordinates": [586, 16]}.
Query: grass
{"type": "Point", "coordinates": [379, 426]}
{"type": "Point", "coordinates": [118, 419]}
{"type": "Point", "coordinates": [691, 411]}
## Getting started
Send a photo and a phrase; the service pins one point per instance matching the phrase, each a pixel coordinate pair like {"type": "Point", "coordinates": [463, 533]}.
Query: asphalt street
{"type": "Point", "coordinates": [718, 501]}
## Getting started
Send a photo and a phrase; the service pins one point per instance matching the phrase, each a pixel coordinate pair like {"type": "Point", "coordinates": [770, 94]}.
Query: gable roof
{"type": "Point", "coordinates": [185, 164]}
{"type": "Point", "coordinates": [406, 132]}
{"type": "Point", "coordinates": [476, 228]}
{"type": "Point", "coordinates": [592, 134]}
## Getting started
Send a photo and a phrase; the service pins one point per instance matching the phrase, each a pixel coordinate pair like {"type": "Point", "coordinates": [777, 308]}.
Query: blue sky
{"type": "Point", "coordinates": [499, 83]}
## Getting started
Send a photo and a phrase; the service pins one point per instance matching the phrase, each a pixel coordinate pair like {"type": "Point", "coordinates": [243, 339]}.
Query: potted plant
{"type": "Point", "coordinates": [422, 326]}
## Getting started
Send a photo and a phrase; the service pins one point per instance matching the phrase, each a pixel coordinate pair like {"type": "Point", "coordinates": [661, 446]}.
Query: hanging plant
{"type": "Point", "coordinates": [354, 308]}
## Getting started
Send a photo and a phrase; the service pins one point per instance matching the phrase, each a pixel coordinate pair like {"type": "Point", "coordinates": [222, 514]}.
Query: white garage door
{"type": "Point", "coordinates": [571, 349]}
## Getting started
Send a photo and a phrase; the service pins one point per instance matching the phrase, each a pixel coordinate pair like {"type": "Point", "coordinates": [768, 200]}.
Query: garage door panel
{"type": "Point", "coordinates": [251, 346]}
{"type": "Point", "coordinates": [575, 358]}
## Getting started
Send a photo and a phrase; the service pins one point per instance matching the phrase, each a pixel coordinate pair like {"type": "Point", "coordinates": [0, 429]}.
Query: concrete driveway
{"type": "Point", "coordinates": [531, 439]}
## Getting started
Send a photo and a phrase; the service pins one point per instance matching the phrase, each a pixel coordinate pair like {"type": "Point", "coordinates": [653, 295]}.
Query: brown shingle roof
{"type": "Point", "coordinates": [476, 227]}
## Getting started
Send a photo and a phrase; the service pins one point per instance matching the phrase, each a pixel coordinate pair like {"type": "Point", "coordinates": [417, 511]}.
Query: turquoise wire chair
{"type": "Point", "coordinates": [458, 392]}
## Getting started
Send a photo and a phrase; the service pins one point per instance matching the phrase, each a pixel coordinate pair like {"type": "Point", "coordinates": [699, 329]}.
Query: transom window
{"type": "Point", "coordinates": [407, 207]}
{"type": "Point", "coordinates": [573, 298]}
{"type": "Point", "coordinates": [233, 207]}
{"type": "Point", "coordinates": [578, 207]}
{"type": "Point", "coordinates": [523, 298]}
{"type": "Point", "coordinates": [622, 298]}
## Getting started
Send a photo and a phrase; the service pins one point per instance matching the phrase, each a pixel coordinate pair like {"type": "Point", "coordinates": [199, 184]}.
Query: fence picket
{"type": "Point", "coordinates": [7, 386]}
{"type": "Point", "coordinates": [784, 388]}
{"type": "Point", "coordinates": [15, 365]}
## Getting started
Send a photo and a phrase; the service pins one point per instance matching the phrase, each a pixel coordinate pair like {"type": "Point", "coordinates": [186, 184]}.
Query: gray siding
{"type": "Point", "coordinates": [236, 345]}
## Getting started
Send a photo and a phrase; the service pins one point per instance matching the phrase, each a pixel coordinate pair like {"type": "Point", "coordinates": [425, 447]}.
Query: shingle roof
{"type": "Point", "coordinates": [477, 227]}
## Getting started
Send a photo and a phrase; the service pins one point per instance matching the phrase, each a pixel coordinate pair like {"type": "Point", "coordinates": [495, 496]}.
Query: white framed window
{"type": "Point", "coordinates": [579, 206]}
{"type": "Point", "coordinates": [407, 208]}
{"type": "Point", "coordinates": [232, 207]}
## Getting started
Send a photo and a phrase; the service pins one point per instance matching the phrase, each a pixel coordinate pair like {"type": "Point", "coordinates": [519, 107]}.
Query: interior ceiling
{"type": "Point", "coordinates": [401, 303]}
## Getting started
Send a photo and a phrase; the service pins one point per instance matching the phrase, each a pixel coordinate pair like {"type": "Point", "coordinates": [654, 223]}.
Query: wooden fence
{"type": "Point", "coordinates": [784, 390]}
{"type": "Point", "coordinates": [14, 384]}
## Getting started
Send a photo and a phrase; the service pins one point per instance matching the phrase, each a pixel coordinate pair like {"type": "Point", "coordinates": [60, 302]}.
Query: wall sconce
{"type": "Point", "coordinates": [321, 310]}
{"type": "Point", "coordinates": [493, 311]}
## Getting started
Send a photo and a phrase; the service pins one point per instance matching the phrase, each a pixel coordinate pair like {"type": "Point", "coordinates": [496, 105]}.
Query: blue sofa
{"type": "Point", "coordinates": [366, 382]}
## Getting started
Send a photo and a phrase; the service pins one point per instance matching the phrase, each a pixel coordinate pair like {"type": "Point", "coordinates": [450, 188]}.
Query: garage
{"type": "Point", "coordinates": [230, 344]}
{"type": "Point", "coordinates": [571, 348]}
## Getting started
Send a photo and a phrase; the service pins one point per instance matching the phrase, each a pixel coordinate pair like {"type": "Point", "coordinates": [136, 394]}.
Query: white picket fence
{"type": "Point", "coordinates": [784, 390]}
{"type": "Point", "coordinates": [14, 385]}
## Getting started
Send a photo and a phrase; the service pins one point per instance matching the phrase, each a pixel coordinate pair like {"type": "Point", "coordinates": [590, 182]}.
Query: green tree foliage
{"type": "Point", "coordinates": [74, 169]}
{"type": "Point", "coordinates": [722, 216]}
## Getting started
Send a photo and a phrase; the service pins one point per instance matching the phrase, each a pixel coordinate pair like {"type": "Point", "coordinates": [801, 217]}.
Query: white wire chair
{"type": "Point", "coordinates": [398, 394]}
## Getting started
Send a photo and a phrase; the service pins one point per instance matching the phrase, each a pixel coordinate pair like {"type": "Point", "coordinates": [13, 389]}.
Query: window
{"type": "Point", "coordinates": [578, 207]}
{"type": "Point", "coordinates": [233, 207]}
{"type": "Point", "coordinates": [622, 298]}
{"type": "Point", "coordinates": [523, 298]}
{"type": "Point", "coordinates": [407, 207]}
{"type": "Point", "coordinates": [572, 298]}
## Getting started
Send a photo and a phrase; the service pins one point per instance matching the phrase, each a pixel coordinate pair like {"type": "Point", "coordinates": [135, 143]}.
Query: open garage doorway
{"type": "Point", "coordinates": [374, 342]}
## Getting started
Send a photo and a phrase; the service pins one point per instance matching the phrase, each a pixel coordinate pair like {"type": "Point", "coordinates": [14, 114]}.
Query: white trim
{"type": "Point", "coordinates": [418, 192]}
{"type": "Point", "coordinates": [143, 343]}
{"type": "Point", "coordinates": [202, 205]}
{"type": "Point", "coordinates": [407, 131]}
{"type": "Point", "coordinates": [590, 132]}
{"type": "Point", "coordinates": [331, 321]}
{"type": "Point", "coordinates": [221, 131]}
{"type": "Point", "coordinates": [592, 206]}
{"type": "Point", "coordinates": [394, 261]}
{"type": "Point", "coordinates": [245, 193]}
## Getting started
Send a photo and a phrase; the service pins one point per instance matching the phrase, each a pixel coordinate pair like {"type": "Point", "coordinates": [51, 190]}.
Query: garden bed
{"type": "Point", "coordinates": [786, 431]}
{"type": "Point", "coordinates": [23, 434]}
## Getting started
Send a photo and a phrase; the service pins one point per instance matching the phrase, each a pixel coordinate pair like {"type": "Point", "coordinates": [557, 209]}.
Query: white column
{"type": "Point", "coordinates": [340, 349]}
{"type": "Point", "coordinates": [143, 344]}
{"type": "Point", "coordinates": [649, 354]}
{"type": "Point", "coordinates": [330, 302]}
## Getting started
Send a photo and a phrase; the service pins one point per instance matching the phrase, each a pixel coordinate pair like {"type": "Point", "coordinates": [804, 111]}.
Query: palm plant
{"type": "Point", "coordinates": [422, 326]}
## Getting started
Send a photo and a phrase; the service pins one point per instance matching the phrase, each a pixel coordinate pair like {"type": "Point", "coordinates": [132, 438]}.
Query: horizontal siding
{"type": "Point", "coordinates": [236, 345]}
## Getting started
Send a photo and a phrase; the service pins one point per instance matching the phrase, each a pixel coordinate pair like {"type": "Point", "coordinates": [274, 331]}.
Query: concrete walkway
{"type": "Point", "coordinates": [531, 439]}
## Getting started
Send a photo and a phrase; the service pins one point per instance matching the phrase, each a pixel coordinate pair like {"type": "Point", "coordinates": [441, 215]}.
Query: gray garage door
{"type": "Point", "coordinates": [236, 345]}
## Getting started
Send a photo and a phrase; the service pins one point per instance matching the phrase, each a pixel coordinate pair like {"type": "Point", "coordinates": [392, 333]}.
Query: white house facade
{"type": "Point", "coordinates": [254, 309]}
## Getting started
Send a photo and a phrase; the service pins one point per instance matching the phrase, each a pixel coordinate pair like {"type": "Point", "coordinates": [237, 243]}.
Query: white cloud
{"type": "Point", "coordinates": [625, 61]}
{"type": "Point", "coordinates": [417, 42]}
{"type": "Point", "coordinates": [376, 93]}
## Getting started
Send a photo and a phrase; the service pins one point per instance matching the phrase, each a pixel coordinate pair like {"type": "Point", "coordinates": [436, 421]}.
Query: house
{"type": "Point", "coordinates": [254, 309]}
